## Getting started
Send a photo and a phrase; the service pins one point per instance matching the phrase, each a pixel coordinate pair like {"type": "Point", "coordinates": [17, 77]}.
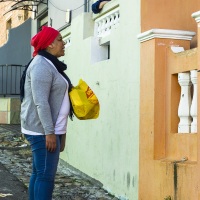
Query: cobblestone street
{"type": "Point", "coordinates": [15, 155]}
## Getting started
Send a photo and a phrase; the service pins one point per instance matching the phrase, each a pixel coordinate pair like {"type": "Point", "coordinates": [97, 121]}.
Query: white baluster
{"type": "Point", "coordinates": [103, 27]}
{"type": "Point", "coordinates": [99, 28]}
{"type": "Point", "coordinates": [193, 109]}
{"type": "Point", "coordinates": [185, 103]}
{"type": "Point", "coordinates": [107, 26]}
{"type": "Point", "coordinates": [116, 21]}
{"type": "Point", "coordinates": [118, 17]}
{"type": "Point", "coordinates": [67, 42]}
{"type": "Point", "coordinates": [112, 20]}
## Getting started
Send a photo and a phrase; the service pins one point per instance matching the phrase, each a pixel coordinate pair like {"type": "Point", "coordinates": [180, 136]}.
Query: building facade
{"type": "Point", "coordinates": [104, 51]}
{"type": "Point", "coordinates": [169, 150]}
{"type": "Point", "coordinates": [98, 50]}
{"type": "Point", "coordinates": [14, 53]}
{"type": "Point", "coordinates": [134, 56]}
{"type": "Point", "coordinates": [9, 20]}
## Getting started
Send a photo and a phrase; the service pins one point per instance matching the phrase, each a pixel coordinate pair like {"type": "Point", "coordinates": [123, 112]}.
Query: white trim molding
{"type": "Point", "coordinates": [196, 16]}
{"type": "Point", "coordinates": [166, 33]}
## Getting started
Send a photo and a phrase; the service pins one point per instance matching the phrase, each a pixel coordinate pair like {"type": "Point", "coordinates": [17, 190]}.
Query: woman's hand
{"type": "Point", "coordinates": [51, 142]}
{"type": "Point", "coordinates": [62, 144]}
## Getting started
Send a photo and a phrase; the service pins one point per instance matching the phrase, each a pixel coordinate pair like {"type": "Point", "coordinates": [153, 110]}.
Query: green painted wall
{"type": "Point", "coordinates": [107, 148]}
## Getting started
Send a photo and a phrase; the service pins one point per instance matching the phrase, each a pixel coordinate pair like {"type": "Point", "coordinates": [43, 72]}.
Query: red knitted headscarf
{"type": "Point", "coordinates": [43, 39]}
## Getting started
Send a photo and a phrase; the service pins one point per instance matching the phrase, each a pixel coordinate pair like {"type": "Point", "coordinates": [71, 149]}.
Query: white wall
{"type": "Point", "coordinates": [107, 148]}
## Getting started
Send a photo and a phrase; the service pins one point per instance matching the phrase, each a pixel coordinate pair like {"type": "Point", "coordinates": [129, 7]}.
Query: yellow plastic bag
{"type": "Point", "coordinates": [84, 102]}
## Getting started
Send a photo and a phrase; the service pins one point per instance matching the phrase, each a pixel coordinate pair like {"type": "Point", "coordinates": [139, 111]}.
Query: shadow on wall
{"type": "Point", "coordinates": [17, 50]}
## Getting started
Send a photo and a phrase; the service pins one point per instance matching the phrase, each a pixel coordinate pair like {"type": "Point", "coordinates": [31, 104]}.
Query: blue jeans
{"type": "Point", "coordinates": [44, 168]}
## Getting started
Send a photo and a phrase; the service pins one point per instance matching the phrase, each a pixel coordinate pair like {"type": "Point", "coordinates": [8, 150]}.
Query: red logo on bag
{"type": "Point", "coordinates": [89, 92]}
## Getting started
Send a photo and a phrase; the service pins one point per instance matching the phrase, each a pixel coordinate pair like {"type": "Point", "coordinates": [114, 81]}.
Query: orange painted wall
{"type": "Point", "coordinates": [168, 14]}
{"type": "Point", "coordinates": [160, 144]}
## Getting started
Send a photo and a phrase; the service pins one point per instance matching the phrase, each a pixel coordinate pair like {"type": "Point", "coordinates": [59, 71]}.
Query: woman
{"type": "Point", "coordinates": [45, 109]}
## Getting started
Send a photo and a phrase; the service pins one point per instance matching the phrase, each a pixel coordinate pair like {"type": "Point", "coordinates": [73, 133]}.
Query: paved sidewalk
{"type": "Point", "coordinates": [10, 187]}
{"type": "Point", "coordinates": [15, 156]}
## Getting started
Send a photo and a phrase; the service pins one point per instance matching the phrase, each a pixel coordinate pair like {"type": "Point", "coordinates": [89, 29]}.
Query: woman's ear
{"type": "Point", "coordinates": [51, 46]}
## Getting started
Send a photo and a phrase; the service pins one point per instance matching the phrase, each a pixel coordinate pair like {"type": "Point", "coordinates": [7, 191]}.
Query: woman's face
{"type": "Point", "coordinates": [58, 46]}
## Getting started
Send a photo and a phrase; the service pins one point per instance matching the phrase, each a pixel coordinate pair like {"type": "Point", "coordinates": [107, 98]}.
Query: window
{"type": "Point", "coordinates": [25, 15]}
{"type": "Point", "coordinates": [43, 21]}
{"type": "Point", "coordinates": [8, 26]}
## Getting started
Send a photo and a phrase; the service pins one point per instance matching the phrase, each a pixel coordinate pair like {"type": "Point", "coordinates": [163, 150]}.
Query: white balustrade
{"type": "Point", "coordinates": [105, 23]}
{"type": "Point", "coordinates": [193, 109]}
{"type": "Point", "coordinates": [187, 110]}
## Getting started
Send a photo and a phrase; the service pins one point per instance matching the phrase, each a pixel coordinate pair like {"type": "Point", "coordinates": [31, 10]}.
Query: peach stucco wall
{"type": "Point", "coordinates": [168, 14]}
{"type": "Point", "coordinates": [161, 177]}
{"type": "Point", "coordinates": [160, 144]}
